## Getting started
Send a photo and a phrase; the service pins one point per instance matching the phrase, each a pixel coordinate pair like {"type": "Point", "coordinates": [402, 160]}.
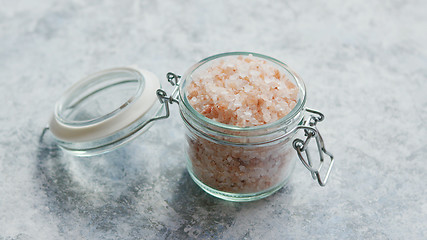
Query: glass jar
{"type": "Point", "coordinates": [108, 109]}
{"type": "Point", "coordinates": [240, 163]}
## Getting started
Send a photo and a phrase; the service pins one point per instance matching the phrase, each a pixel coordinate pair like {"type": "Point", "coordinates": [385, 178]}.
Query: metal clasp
{"type": "Point", "coordinates": [301, 146]}
{"type": "Point", "coordinates": [173, 79]}
{"type": "Point", "coordinates": [163, 97]}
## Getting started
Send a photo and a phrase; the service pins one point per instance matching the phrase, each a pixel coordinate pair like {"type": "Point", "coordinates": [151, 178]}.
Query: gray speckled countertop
{"type": "Point", "coordinates": [365, 67]}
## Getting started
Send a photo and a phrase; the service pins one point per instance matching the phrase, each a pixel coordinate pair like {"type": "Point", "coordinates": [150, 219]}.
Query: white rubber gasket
{"type": "Point", "coordinates": [124, 118]}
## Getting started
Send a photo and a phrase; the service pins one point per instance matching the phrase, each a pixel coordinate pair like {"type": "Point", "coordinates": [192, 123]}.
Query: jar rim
{"type": "Point", "coordinates": [80, 86]}
{"type": "Point", "coordinates": [117, 123]}
{"type": "Point", "coordinates": [288, 117]}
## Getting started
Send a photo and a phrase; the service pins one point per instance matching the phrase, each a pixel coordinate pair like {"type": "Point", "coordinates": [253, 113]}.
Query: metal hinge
{"type": "Point", "coordinates": [301, 146]}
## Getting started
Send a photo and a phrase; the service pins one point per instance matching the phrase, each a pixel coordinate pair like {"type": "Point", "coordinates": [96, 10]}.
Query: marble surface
{"type": "Point", "coordinates": [365, 67]}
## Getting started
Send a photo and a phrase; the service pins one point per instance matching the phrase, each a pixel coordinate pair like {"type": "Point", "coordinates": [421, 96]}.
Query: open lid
{"type": "Point", "coordinates": [105, 110]}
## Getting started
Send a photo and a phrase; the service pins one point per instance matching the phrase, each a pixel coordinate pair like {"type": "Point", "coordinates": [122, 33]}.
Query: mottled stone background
{"type": "Point", "coordinates": [365, 67]}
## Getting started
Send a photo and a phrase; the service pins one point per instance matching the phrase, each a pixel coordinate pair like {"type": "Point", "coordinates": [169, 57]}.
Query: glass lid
{"type": "Point", "coordinates": [105, 110]}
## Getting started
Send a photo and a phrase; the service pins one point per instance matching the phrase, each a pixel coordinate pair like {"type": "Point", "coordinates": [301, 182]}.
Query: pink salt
{"type": "Point", "coordinates": [242, 91]}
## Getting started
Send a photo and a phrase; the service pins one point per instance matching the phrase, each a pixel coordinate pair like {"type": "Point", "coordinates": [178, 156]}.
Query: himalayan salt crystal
{"type": "Point", "coordinates": [242, 91]}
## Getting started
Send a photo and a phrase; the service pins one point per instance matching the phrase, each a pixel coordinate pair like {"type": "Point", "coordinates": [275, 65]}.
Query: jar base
{"type": "Point", "coordinates": [240, 197]}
